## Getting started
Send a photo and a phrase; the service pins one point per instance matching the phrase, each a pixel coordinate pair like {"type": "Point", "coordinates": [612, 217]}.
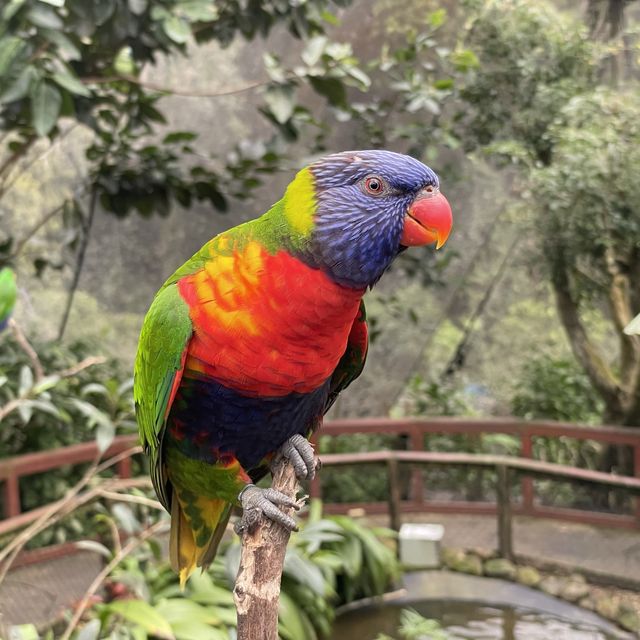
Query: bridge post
{"type": "Point", "coordinates": [636, 473]}
{"type": "Point", "coordinates": [11, 496]}
{"type": "Point", "coordinates": [505, 540]}
{"type": "Point", "coordinates": [416, 493]}
{"type": "Point", "coordinates": [394, 493]}
{"type": "Point", "coordinates": [526, 451]}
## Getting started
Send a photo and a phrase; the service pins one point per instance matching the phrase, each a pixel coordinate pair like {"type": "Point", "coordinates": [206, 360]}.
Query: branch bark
{"type": "Point", "coordinates": [174, 91]}
{"type": "Point", "coordinates": [622, 314]}
{"type": "Point", "coordinates": [257, 589]}
{"type": "Point", "coordinates": [25, 345]}
{"type": "Point", "coordinates": [584, 350]}
{"type": "Point", "coordinates": [80, 261]}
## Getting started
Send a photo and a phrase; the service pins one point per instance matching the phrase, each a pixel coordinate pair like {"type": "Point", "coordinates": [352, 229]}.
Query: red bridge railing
{"type": "Point", "coordinates": [414, 431]}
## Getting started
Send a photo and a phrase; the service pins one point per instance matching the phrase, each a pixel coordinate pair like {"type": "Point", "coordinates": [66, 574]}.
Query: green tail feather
{"type": "Point", "coordinates": [197, 526]}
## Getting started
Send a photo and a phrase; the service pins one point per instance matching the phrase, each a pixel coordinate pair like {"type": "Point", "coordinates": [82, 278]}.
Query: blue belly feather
{"type": "Point", "coordinates": [209, 421]}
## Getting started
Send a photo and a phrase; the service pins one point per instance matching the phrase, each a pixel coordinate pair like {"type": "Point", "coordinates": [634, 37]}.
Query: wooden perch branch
{"type": "Point", "coordinates": [257, 589]}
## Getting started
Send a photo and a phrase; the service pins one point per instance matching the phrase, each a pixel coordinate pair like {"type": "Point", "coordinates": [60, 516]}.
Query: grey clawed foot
{"type": "Point", "coordinates": [299, 451]}
{"type": "Point", "coordinates": [257, 502]}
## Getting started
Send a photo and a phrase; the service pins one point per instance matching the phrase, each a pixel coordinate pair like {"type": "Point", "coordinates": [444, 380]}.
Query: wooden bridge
{"type": "Point", "coordinates": [413, 495]}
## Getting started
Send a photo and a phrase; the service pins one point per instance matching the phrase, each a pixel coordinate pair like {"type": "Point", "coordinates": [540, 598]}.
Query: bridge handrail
{"type": "Point", "coordinates": [12, 469]}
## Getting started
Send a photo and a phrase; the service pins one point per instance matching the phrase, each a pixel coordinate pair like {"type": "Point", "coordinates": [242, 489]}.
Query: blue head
{"type": "Point", "coordinates": [369, 205]}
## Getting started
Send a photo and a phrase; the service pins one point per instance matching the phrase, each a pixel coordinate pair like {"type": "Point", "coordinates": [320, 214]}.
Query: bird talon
{"type": "Point", "coordinates": [299, 451]}
{"type": "Point", "coordinates": [257, 502]}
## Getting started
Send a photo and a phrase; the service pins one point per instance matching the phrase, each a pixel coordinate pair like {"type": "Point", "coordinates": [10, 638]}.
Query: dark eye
{"type": "Point", "coordinates": [374, 185]}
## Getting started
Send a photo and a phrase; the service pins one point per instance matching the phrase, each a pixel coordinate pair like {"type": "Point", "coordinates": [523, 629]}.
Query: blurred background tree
{"type": "Point", "coordinates": [128, 126]}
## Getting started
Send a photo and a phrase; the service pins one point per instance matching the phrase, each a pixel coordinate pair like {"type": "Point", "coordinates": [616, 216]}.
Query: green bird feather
{"type": "Point", "coordinates": [8, 295]}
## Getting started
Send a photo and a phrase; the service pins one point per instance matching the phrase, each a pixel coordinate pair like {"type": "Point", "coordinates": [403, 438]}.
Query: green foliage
{"type": "Point", "coordinates": [411, 85]}
{"type": "Point", "coordinates": [414, 626]}
{"type": "Point", "coordinates": [532, 60]}
{"type": "Point", "coordinates": [8, 294]}
{"type": "Point", "coordinates": [551, 389]}
{"type": "Point", "coordinates": [430, 398]}
{"type": "Point", "coordinates": [78, 62]}
{"type": "Point", "coordinates": [349, 484]}
{"type": "Point", "coordinates": [329, 562]}
{"type": "Point", "coordinates": [588, 200]}
{"type": "Point", "coordinates": [59, 410]}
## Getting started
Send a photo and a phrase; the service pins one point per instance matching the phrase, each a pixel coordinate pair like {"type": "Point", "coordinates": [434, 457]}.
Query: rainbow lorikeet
{"type": "Point", "coordinates": [8, 294]}
{"type": "Point", "coordinates": [247, 345]}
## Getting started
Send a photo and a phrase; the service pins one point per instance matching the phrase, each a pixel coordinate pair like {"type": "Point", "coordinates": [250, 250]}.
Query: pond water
{"type": "Point", "coordinates": [464, 621]}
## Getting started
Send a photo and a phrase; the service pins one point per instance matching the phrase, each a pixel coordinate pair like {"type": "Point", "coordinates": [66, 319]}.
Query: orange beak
{"type": "Point", "coordinates": [427, 220]}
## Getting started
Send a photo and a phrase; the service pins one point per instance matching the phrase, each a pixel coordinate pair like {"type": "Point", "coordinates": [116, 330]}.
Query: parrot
{"type": "Point", "coordinates": [8, 294]}
{"type": "Point", "coordinates": [248, 344]}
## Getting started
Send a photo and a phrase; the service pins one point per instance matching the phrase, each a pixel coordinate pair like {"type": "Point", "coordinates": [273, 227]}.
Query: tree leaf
{"type": "Point", "coordinates": [124, 515]}
{"type": "Point", "coordinates": [45, 107]}
{"type": "Point", "coordinates": [194, 630]}
{"type": "Point", "coordinates": [358, 74]}
{"type": "Point", "coordinates": [137, 7]}
{"type": "Point", "coordinates": [90, 631]}
{"type": "Point", "coordinates": [94, 387]}
{"type": "Point", "coordinates": [177, 609]}
{"type": "Point", "coordinates": [105, 433]}
{"type": "Point", "coordinates": [304, 571]}
{"type": "Point", "coordinates": [314, 50]}
{"type": "Point", "coordinates": [47, 406]}
{"type": "Point", "coordinates": [94, 547]}
{"type": "Point", "coordinates": [11, 9]}
{"type": "Point", "coordinates": [280, 101]}
{"type": "Point", "coordinates": [102, 10]}
{"type": "Point", "coordinates": [10, 49]}
{"type": "Point", "coordinates": [123, 63]}
{"type": "Point", "coordinates": [23, 632]}
{"type": "Point", "coordinates": [198, 10]}
{"type": "Point", "coordinates": [633, 327]}
{"type": "Point", "coordinates": [141, 613]}
{"type": "Point", "coordinates": [293, 625]}
{"type": "Point", "coordinates": [177, 29]}
{"type": "Point", "coordinates": [45, 17]}
{"type": "Point", "coordinates": [20, 87]}
{"type": "Point", "coordinates": [331, 88]}
{"type": "Point", "coordinates": [71, 83]}
{"type": "Point", "coordinates": [26, 381]}
{"type": "Point", "coordinates": [25, 410]}
{"type": "Point", "coordinates": [204, 591]}
{"type": "Point", "coordinates": [179, 136]}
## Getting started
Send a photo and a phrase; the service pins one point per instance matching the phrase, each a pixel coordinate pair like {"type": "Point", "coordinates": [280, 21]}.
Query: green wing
{"type": "Point", "coordinates": [162, 349]}
{"type": "Point", "coordinates": [352, 362]}
{"type": "Point", "coordinates": [8, 293]}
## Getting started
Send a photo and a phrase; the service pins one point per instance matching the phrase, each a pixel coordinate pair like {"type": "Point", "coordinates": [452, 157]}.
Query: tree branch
{"type": "Point", "coordinates": [80, 262]}
{"type": "Point", "coordinates": [12, 159]}
{"type": "Point", "coordinates": [8, 184]}
{"type": "Point", "coordinates": [584, 350]}
{"type": "Point", "coordinates": [257, 589]}
{"type": "Point", "coordinates": [25, 345]}
{"type": "Point", "coordinates": [20, 244]}
{"type": "Point", "coordinates": [619, 294]}
{"type": "Point", "coordinates": [172, 91]}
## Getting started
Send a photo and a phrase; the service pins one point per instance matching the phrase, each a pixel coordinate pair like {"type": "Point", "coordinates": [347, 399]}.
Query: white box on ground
{"type": "Point", "coordinates": [420, 545]}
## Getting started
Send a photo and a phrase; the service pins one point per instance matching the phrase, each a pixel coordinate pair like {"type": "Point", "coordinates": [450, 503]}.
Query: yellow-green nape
{"type": "Point", "coordinates": [300, 203]}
